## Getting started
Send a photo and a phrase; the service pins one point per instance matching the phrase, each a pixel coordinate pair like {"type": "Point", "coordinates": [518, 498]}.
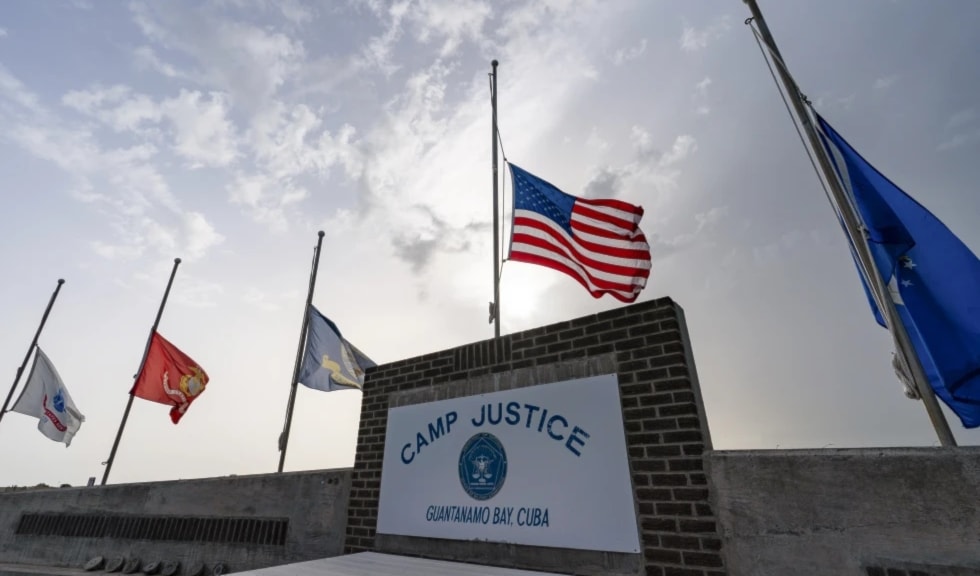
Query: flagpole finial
{"type": "Point", "coordinates": [176, 260]}
{"type": "Point", "coordinates": [61, 281]}
{"type": "Point", "coordinates": [320, 233]}
{"type": "Point", "coordinates": [494, 63]}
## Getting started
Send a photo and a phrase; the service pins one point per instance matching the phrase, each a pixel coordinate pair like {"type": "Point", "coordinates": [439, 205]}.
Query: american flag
{"type": "Point", "coordinates": [596, 241]}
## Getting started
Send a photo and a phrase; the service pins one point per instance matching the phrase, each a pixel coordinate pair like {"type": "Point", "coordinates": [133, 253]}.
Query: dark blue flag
{"type": "Point", "coordinates": [933, 278]}
{"type": "Point", "coordinates": [330, 362]}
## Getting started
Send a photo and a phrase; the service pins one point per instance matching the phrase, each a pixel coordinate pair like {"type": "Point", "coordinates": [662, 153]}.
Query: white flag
{"type": "Point", "coordinates": [46, 398]}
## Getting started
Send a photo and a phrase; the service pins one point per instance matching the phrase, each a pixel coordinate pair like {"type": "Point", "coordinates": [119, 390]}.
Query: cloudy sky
{"type": "Point", "coordinates": [228, 132]}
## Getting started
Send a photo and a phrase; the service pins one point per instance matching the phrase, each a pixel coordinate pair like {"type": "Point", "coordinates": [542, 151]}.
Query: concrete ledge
{"type": "Point", "coordinates": [535, 558]}
{"type": "Point", "coordinates": [33, 569]}
{"type": "Point", "coordinates": [818, 512]}
{"type": "Point", "coordinates": [208, 520]}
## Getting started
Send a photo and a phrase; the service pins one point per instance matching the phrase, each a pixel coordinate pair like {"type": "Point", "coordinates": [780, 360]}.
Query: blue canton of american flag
{"type": "Point", "coordinates": [596, 241]}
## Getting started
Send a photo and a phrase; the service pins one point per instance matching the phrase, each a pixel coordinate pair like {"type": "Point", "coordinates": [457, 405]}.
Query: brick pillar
{"type": "Point", "coordinates": [666, 430]}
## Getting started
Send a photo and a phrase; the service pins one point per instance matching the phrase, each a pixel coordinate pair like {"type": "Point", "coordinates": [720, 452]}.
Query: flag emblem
{"type": "Point", "coordinates": [59, 400]}
{"type": "Point", "coordinates": [339, 374]}
{"type": "Point", "coordinates": [190, 385]}
{"type": "Point", "coordinates": [53, 418]}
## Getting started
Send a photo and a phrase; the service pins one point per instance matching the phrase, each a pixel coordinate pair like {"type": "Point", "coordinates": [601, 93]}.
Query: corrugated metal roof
{"type": "Point", "coordinates": [375, 564]}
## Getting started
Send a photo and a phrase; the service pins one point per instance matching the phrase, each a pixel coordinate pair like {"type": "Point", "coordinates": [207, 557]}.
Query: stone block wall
{"type": "Point", "coordinates": [852, 511]}
{"type": "Point", "coordinates": [244, 522]}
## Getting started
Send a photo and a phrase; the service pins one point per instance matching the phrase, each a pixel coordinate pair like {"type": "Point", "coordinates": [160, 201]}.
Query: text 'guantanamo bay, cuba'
{"type": "Point", "coordinates": [535, 419]}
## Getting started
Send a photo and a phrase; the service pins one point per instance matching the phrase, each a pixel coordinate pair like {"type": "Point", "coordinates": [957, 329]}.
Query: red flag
{"type": "Point", "coordinates": [169, 377]}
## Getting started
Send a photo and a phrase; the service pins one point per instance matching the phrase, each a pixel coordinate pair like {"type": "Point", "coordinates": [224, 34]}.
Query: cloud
{"type": "Point", "coordinates": [120, 252]}
{"type": "Point", "coordinates": [375, 53]}
{"type": "Point", "coordinates": [787, 244]}
{"type": "Point", "coordinates": [115, 106]}
{"type": "Point", "coordinates": [701, 96]}
{"type": "Point", "coordinates": [693, 39]}
{"type": "Point", "coordinates": [136, 183]}
{"type": "Point", "coordinates": [255, 297]}
{"type": "Point", "coordinates": [291, 141]}
{"type": "Point", "coordinates": [648, 163]}
{"type": "Point", "coordinates": [595, 141]}
{"type": "Point", "coordinates": [434, 235]}
{"type": "Point", "coordinates": [202, 132]}
{"type": "Point", "coordinates": [3, 32]}
{"type": "Point", "coordinates": [189, 236]}
{"type": "Point", "coordinates": [624, 55]}
{"type": "Point", "coordinates": [294, 11]}
{"type": "Point", "coordinates": [962, 118]}
{"type": "Point", "coordinates": [451, 21]}
{"type": "Point", "coordinates": [684, 145]}
{"type": "Point", "coordinates": [265, 198]}
{"type": "Point", "coordinates": [197, 292]}
{"type": "Point", "coordinates": [702, 87]}
{"type": "Point", "coordinates": [146, 57]}
{"type": "Point", "coordinates": [642, 142]}
{"type": "Point", "coordinates": [16, 93]}
{"type": "Point", "coordinates": [959, 140]}
{"type": "Point", "coordinates": [285, 142]}
{"type": "Point", "coordinates": [406, 169]}
{"type": "Point", "coordinates": [885, 82]}
{"type": "Point", "coordinates": [605, 183]}
{"type": "Point", "coordinates": [830, 102]}
{"type": "Point", "coordinates": [661, 248]}
{"type": "Point", "coordinates": [199, 235]}
{"type": "Point", "coordinates": [246, 62]}
{"type": "Point", "coordinates": [962, 129]}
{"type": "Point", "coordinates": [123, 182]}
{"type": "Point", "coordinates": [650, 172]}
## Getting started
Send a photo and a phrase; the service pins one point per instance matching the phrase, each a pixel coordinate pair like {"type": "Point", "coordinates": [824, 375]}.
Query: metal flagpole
{"type": "Point", "coordinates": [146, 352]}
{"type": "Point", "coordinates": [20, 370]}
{"type": "Point", "coordinates": [284, 437]}
{"type": "Point", "coordinates": [856, 232]}
{"type": "Point", "coordinates": [495, 307]}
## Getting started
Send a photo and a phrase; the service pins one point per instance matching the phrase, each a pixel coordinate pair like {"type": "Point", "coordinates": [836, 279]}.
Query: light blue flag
{"type": "Point", "coordinates": [933, 278]}
{"type": "Point", "coordinates": [331, 362]}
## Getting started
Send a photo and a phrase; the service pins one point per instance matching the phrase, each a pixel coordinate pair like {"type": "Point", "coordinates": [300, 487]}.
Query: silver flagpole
{"type": "Point", "coordinates": [284, 435]}
{"type": "Point", "coordinates": [30, 348]}
{"type": "Point", "coordinates": [495, 307]}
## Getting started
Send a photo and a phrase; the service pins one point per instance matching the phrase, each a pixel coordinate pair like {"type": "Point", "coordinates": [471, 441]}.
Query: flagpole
{"type": "Point", "coordinates": [495, 309]}
{"type": "Point", "coordinates": [858, 237]}
{"type": "Point", "coordinates": [146, 351]}
{"type": "Point", "coordinates": [284, 437]}
{"type": "Point", "coordinates": [20, 370]}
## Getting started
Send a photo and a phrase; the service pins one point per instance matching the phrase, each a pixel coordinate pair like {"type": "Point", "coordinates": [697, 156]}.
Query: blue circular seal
{"type": "Point", "coordinates": [482, 466]}
{"type": "Point", "coordinates": [59, 401]}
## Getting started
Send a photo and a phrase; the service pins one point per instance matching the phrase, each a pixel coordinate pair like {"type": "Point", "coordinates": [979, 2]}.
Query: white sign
{"type": "Point", "coordinates": [542, 466]}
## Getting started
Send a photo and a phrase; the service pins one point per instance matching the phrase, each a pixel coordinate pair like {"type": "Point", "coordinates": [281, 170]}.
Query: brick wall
{"type": "Point", "coordinates": [647, 345]}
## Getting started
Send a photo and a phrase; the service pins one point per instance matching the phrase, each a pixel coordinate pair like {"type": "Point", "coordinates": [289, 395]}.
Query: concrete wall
{"type": "Point", "coordinates": [235, 520]}
{"type": "Point", "coordinates": [647, 346]}
{"type": "Point", "coordinates": [865, 511]}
